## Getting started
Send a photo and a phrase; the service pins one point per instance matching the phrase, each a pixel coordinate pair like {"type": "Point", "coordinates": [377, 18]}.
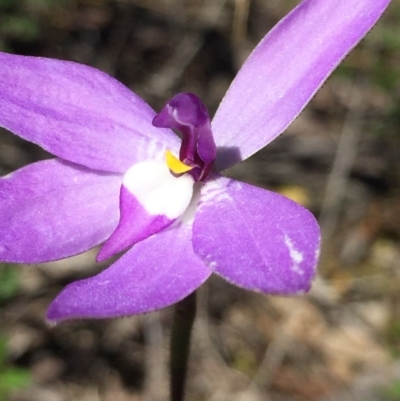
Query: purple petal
{"type": "Point", "coordinates": [285, 70]}
{"type": "Point", "coordinates": [256, 239]}
{"type": "Point", "coordinates": [54, 209]}
{"type": "Point", "coordinates": [155, 273]}
{"type": "Point", "coordinates": [78, 113]}
{"type": "Point", "coordinates": [151, 199]}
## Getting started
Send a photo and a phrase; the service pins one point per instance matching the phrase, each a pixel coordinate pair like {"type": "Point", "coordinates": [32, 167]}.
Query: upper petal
{"type": "Point", "coordinates": [256, 239]}
{"type": "Point", "coordinates": [54, 209]}
{"type": "Point", "coordinates": [285, 70]}
{"type": "Point", "coordinates": [155, 273]}
{"type": "Point", "coordinates": [78, 113]}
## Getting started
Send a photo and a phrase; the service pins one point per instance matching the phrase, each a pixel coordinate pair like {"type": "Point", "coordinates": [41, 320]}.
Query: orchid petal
{"type": "Point", "coordinates": [256, 239]}
{"type": "Point", "coordinates": [45, 208]}
{"type": "Point", "coordinates": [78, 113]}
{"type": "Point", "coordinates": [155, 273]}
{"type": "Point", "coordinates": [151, 199]}
{"type": "Point", "coordinates": [285, 70]}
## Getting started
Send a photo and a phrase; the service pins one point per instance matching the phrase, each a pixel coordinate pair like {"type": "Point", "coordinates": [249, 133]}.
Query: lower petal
{"type": "Point", "coordinates": [54, 209]}
{"type": "Point", "coordinates": [256, 239]}
{"type": "Point", "coordinates": [154, 274]}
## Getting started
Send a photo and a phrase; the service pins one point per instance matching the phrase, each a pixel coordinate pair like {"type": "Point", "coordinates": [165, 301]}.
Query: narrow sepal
{"type": "Point", "coordinates": [285, 70]}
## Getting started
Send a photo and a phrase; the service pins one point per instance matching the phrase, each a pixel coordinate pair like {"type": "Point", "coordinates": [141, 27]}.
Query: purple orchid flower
{"type": "Point", "coordinates": [123, 178]}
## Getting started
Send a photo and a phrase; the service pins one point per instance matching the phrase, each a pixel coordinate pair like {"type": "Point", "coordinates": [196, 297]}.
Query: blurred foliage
{"type": "Point", "coordinates": [245, 362]}
{"type": "Point", "coordinates": [23, 20]}
{"type": "Point", "coordinates": [9, 282]}
{"type": "Point", "coordinates": [17, 26]}
{"type": "Point", "coordinates": [11, 378]}
{"type": "Point", "coordinates": [392, 392]}
{"type": "Point", "coordinates": [377, 56]}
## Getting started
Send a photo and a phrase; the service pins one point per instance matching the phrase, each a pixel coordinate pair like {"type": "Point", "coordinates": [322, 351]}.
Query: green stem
{"type": "Point", "coordinates": [184, 315]}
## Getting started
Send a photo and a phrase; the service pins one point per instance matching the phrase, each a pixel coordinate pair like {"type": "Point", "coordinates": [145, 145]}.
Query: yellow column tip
{"type": "Point", "coordinates": [175, 165]}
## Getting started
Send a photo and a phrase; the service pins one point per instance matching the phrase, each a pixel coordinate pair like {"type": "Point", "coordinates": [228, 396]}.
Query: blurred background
{"type": "Point", "coordinates": [340, 158]}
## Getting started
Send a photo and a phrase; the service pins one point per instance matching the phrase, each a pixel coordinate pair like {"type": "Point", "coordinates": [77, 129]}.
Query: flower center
{"type": "Point", "coordinates": [186, 113]}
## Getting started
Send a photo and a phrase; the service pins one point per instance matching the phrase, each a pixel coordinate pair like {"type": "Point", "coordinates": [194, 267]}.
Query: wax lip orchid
{"type": "Point", "coordinates": [124, 179]}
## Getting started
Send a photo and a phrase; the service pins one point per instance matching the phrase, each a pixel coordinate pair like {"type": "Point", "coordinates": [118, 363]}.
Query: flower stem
{"type": "Point", "coordinates": [184, 315]}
